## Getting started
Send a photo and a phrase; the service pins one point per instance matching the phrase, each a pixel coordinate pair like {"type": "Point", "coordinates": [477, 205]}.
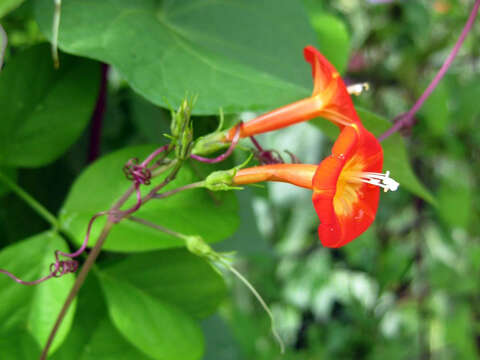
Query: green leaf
{"type": "Point", "coordinates": [107, 343]}
{"type": "Point", "coordinates": [34, 308]}
{"type": "Point", "coordinates": [466, 104]}
{"type": "Point", "coordinates": [160, 330]}
{"type": "Point", "coordinates": [44, 110]}
{"type": "Point", "coordinates": [19, 344]}
{"type": "Point", "coordinates": [238, 55]}
{"type": "Point", "coordinates": [436, 110]}
{"type": "Point", "coordinates": [93, 335]}
{"type": "Point", "coordinates": [455, 193]}
{"type": "Point", "coordinates": [333, 38]}
{"type": "Point", "coordinates": [8, 5]}
{"type": "Point", "coordinates": [395, 157]}
{"type": "Point", "coordinates": [176, 277]}
{"type": "Point", "coordinates": [191, 212]}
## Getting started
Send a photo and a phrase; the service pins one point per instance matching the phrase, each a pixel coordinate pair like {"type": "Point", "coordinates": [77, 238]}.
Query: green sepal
{"type": "Point", "coordinates": [210, 143]}
{"type": "Point", "coordinates": [223, 180]}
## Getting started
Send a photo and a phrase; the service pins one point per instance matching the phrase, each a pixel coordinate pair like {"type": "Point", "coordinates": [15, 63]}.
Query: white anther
{"type": "Point", "coordinates": [378, 179]}
{"type": "Point", "coordinates": [357, 89]}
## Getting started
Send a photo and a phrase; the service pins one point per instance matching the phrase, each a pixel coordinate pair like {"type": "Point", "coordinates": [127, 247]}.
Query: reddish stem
{"type": "Point", "coordinates": [448, 61]}
{"type": "Point", "coordinates": [97, 117]}
{"type": "Point", "coordinates": [3, 47]}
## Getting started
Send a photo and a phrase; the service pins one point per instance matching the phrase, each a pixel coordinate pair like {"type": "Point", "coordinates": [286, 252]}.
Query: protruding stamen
{"type": "Point", "coordinates": [378, 179]}
{"type": "Point", "coordinates": [357, 89]}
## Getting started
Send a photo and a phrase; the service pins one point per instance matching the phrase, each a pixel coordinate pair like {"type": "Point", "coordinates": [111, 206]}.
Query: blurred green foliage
{"type": "Point", "coordinates": [408, 288]}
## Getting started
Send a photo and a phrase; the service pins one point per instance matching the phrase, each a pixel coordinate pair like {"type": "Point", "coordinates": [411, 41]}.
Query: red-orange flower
{"type": "Point", "coordinates": [330, 99]}
{"type": "Point", "coordinates": [346, 184]}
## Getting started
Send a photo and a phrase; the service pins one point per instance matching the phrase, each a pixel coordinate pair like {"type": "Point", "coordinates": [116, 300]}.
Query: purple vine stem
{"type": "Point", "coordinates": [20, 281]}
{"type": "Point", "coordinates": [85, 241]}
{"type": "Point", "coordinates": [448, 61]}
{"type": "Point", "coordinates": [266, 156]}
{"type": "Point", "coordinates": [61, 267]}
{"type": "Point", "coordinates": [154, 155]}
{"type": "Point", "coordinates": [222, 157]}
{"type": "Point", "coordinates": [140, 175]}
{"type": "Point", "coordinates": [97, 117]}
{"type": "Point", "coordinates": [3, 48]}
{"type": "Point", "coordinates": [57, 269]}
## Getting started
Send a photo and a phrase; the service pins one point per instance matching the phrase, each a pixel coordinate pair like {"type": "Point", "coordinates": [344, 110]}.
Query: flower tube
{"type": "Point", "coordinates": [330, 99]}
{"type": "Point", "coordinates": [346, 185]}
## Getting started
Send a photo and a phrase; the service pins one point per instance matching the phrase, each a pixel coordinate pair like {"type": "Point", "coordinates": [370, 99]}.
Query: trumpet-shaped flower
{"type": "Point", "coordinates": [330, 99]}
{"type": "Point", "coordinates": [346, 185]}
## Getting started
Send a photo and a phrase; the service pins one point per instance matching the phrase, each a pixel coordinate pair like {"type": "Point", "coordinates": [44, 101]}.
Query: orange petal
{"type": "Point", "coordinates": [329, 86]}
{"type": "Point", "coordinates": [346, 209]}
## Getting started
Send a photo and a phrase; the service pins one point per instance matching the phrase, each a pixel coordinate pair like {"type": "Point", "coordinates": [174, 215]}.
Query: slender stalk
{"type": "Point", "coordinates": [3, 45]}
{"type": "Point", "coordinates": [156, 226]}
{"type": "Point", "coordinates": [155, 154]}
{"type": "Point", "coordinates": [33, 203]}
{"type": "Point", "coordinates": [170, 177]}
{"type": "Point", "coordinates": [165, 194]}
{"type": "Point", "coordinates": [78, 284]}
{"type": "Point", "coordinates": [259, 299]}
{"type": "Point", "coordinates": [448, 61]}
{"type": "Point", "coordinates": [256, 143]}
{"type": "Point", "coordinates": [55, 28]}
{"type": "Point", "coordinates": [229, 267]}
{"type": "Point", "coordinates": [92, 256]}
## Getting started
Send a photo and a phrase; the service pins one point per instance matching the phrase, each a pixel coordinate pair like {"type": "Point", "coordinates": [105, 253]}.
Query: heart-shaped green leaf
{"type": "Point", "coordinates": [93, 335]}
{"type": "Point", "coordinates": [44, 110]}
{"type": "Point", "coordinates": [238, 55]}
{"type": "Point", "coordinates": [174, 276]}
{"type": "Point", "coordinates": [193, 212]}
{"type": "Point", "coordinates": [160, 330]}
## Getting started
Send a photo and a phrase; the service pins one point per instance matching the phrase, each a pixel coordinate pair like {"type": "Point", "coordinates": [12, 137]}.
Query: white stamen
{"type": "Point", "coordinates": [357, 89]}
{"type": "Point", "coordinates": [381, 180]}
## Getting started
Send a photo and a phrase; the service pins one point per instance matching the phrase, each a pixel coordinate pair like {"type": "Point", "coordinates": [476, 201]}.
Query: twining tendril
{"type": "Point", "coordinates": [139, 174]}
{"type": "Point", "coordinates": [62, 267]}
{"type": "Point", "coordinates": [56, 269]}
{"type": "Point", "coordinates": [222, 157]}
{"type": "Point", "coordinates": [266, 157]}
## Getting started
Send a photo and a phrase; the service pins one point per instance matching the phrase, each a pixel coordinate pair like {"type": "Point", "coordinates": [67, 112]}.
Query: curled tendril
{"type": "Point", "coordinates": [227, 153]}
{"type": "Point", "coordinates": [140, 174]}
{"type": "Point", "coordinates": [56, 270]}
{"type": "Point", "coordinates": [266, 157]}
{"type": "Point", "coordinates": [62, 267]}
